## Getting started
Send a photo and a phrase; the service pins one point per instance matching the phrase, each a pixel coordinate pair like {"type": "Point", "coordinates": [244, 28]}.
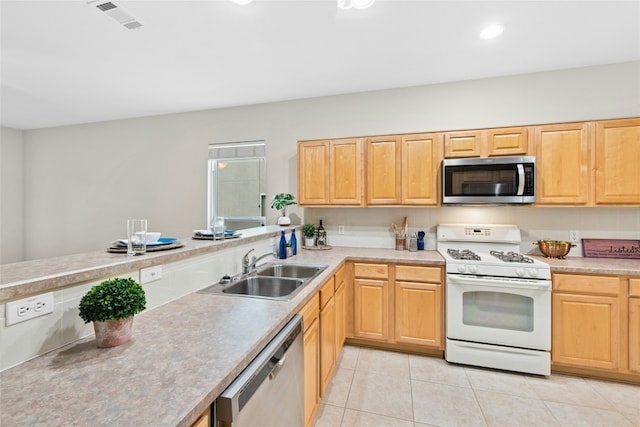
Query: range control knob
{"type": "Point", "coordinates": [473, 269]}
{"type": "Point", "coordinates": [520, 272]}
{"type": "Point", "coordinates": [461, 268]}
{"type": "Point", "coordinates": [533, 272]}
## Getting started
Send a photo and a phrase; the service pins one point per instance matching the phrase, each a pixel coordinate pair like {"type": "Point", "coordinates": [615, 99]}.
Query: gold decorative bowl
{"type": "Point", "coordinates": [554, 249]}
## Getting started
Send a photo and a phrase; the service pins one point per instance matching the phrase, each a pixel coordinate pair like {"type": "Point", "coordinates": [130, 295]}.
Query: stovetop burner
{"type": "Point", "coordinates": [465, 254]}
{"type": "Point", "coordinates": [511, 257]}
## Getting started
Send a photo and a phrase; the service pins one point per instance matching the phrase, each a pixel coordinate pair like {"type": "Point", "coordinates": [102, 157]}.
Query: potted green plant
{"type": "Point", "coordinates": [309, 231]}
{"type": "Point", "coordinates": [111, 306]}
{"type": "Point", "coordinates": [280, 202]}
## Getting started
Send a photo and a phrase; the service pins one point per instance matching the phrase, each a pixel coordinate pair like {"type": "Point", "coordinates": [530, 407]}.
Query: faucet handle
{"type": "Point", "coordinates": [245, 258]}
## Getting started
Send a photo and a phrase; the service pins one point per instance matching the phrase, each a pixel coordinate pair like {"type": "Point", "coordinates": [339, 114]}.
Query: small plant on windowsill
{"type": "Point", "coordinates": [111, 306]}
{"type": "Point", "coordinates": [280, 202]}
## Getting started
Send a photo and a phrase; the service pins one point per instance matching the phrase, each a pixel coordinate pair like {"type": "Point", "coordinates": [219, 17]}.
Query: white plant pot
{"type": "Point", "coordinates": [284, 221]}
{"type": "Point", "coordinates": [309, 241]}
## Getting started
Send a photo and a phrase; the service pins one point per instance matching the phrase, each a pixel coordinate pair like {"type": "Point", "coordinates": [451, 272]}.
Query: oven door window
{"type": "Point", "coordinates": [498, 310]}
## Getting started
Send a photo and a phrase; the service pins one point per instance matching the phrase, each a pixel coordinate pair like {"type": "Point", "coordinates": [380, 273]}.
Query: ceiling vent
{"type": "Point", "coordinates": [123, 17]}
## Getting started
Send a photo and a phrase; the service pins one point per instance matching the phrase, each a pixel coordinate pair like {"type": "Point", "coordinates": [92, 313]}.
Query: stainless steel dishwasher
{"type": "Point", "coordinates": [270, 391]}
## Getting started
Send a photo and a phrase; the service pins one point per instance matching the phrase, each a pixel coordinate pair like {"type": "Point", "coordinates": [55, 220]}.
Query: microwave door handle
{"type": "Point", "coordinates": [520, 179]}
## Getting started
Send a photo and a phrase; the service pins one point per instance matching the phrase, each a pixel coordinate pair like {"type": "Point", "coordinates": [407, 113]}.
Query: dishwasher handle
{"type": "Point", "coordinates": [276, 369]}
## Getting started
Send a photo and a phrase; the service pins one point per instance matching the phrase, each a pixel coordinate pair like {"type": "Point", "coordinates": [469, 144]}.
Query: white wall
{"type": "Point", "coordinates": [82, 182]}
{"type": "Point", "coordinates": [11, 191]}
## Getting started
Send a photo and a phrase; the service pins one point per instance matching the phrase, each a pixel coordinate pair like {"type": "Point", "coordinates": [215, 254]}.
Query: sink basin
{"type": "Point", "coordinates": [297, 271]}
{"type": "Point", "coordinates": [273, 281]}
{"type": "Point", "coordinates": [264, 286]}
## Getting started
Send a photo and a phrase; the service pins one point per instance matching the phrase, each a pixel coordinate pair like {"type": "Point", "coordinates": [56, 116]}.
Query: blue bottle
{"type": "Point", "coordinates": [294, 242]}
{"type": "Point", "coordinates": [282, 246]}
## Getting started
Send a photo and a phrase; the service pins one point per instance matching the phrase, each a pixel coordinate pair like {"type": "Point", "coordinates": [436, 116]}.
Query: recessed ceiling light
{"type": "Point", "coordinates": [356, 4]}
{"type": "Point", "coordinates": [242, 2]}
{"type": "Point", "coordinates": [492, 31]}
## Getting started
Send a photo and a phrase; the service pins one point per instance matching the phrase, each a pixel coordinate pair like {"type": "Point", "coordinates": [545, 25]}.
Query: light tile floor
{"type": "Point", "coordinates": [380, 388]}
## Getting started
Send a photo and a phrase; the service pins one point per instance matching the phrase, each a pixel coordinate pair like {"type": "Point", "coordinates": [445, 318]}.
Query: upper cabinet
{"type": "Point", "coordinates": [617, 156]}
{"type": "Point", "coordinates": [486, 143]}
{"type": "Point", "coordinates": [562, 164]}
{"type": "Point", "coordinates": [403, 170]}
{"type": "Point", "coordinates": [330, 172]}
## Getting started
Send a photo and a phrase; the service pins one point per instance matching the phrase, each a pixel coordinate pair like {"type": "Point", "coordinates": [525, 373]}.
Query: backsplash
{"type": "Point", "coordinates": [371, 227]}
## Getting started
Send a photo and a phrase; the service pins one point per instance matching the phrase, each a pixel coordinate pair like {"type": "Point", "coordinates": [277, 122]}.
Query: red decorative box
{"type": "Point", "coordinates": [611, 248]}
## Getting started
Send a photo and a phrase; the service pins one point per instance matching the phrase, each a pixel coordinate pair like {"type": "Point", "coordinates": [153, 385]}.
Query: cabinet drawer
{"type": "Point", "coordinates": [310, 311]}
{"type": "Point", "coordinates": [339, 277]}
{"type": "Point", "coordinates": [634, 287]}
{"type": "Point", "coordinates": [414, 273]}
{"type": "Point", "coordinates": [603, 285]}
{"type": "Point", "coordinates": [326, 292]}
{"type": "Point", "coordinates": [372, 271]}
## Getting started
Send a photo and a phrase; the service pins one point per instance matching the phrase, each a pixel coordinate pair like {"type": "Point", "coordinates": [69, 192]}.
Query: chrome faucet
{"type": "Point", "coordinates": [249, 266]}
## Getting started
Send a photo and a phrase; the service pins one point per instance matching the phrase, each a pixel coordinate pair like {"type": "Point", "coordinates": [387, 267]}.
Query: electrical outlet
{"type": "Point", "coordinates": [341, 229]}
{"type": "Point", "coordinates": [574, 236]}
{"type": "Point", "coordinates": [28, 308]}
{"type": "Point", "coordinates": [150, 274]}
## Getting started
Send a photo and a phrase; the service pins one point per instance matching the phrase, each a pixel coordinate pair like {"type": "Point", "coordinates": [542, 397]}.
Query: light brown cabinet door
{"type": "Point", "coordinates": [346, 172]}
{"type": "Point", "coordinates": [313, 179]}
{"type": "Point", "coordinates": [586, 331]}
{"type": "Point", "coordinates": [462, 144]}
{"type": "Point", "coordinates": [617, 177]}
{"type": "Point", "coordinates": [327, 343]}
{"type": "Point", "coordinates": [418, 315]}
{"type": "Point", "coordinates": [634, 325]}
{"type": "Point", "coordinates": [311, 371]}
{"type": "Point", "coordinates": [340, 319]}
{"type": "Point", "coordinates": [204, 420]}
{"type": "Point", "coordinates": [371, 309]}
{"type": "Point", "coordinates": [507, 141]}
{"type": "Point", "coordinates": [421, 156]}
{"type": "Point", "coordinates": [383, 170]}
{"type": "Point", "coordinates": [562, 163]}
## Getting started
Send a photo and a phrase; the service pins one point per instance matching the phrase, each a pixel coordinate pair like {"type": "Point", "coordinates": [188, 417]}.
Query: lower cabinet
{"type": "Point", "coordinates": [204, 420]}
{"type": "Point", "coordinates": [419, 306]}
{"type": "Point", "coordinates": [634, 325]}
{"type": "Point", "coordinates": [324, 334]}
{"type": "Point", "coordinates": [327, 333]}
{"type": "Point", "coordinates": [399, 304]}
{"type": "Point", "coordinates": [596, 324]}
{"type": "Point", "coordinates": [311, 324]}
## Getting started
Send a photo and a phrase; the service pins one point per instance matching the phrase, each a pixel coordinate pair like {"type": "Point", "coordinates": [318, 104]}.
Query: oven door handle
{"type": "Point", "coordinates": [544, 285]}
{"type": "Point", "coordinates": [520, 179]}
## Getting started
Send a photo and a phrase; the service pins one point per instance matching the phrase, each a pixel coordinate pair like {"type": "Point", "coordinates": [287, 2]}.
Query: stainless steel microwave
{"type": "Point", "coordinates": [492, 180]}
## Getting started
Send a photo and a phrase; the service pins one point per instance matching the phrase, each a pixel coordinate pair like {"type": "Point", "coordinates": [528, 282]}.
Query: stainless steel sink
{"type": "Point", "coordinates": [297, 271]}
{"type": "Point", "coordinates": [263, 286]}
{"type": "Point", "coordinates": [272, 280]}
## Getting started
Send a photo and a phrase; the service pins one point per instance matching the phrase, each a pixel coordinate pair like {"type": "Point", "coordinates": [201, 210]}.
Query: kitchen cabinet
{"type": "Point", "coordinates": [419, 311]}
{"type": "Point", "coordinates": [563, 157]}
{"type": "Point", "coordinates": [203, 420]}
{"type": "Point", "coordinates": [617, 156]}
{"type": "Point", "coordinates": [399, 305]}
{"type": "Point", "coordinates": [383, 170]}
{"type": "Point", "coordinates": [634, 325]}
{"type": "Point", "coordinates": [589, 322]}
{"type": "Point", "coordinates": [340, 298]}
{"type": "Point", "coordinates": [327, 333]}
{"type": "Point", "coordinates": [371, 301]}
{"type": "Point", "coordinates": [403, 169]}
{"type": "Point", "coordinates": [330, 172]}
{"type": "Point", "coordinates": [310, 318]}
{"type": "Point", "coordinates": [510, 141]}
